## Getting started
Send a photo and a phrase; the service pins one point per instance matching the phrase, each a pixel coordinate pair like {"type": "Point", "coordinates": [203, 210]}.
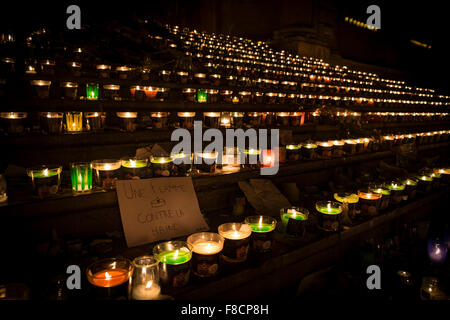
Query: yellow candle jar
{"type": "Point", "coordinates": [74, 122]}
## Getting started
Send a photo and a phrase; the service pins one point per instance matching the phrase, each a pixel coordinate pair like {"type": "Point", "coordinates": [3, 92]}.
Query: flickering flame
{"type": "Point", "coordinates": [107, 276]}
{"type": "Point", "coordinates": [132, 163]}
{"type": "Point", "coordinates": [45, 172]}
{"type": "Point", "coordinates": [175, 255]}
{"type": "Point", "coordinates": [107, 166]}
{"type": "Point", "coordinates": [329, 207]}
{"type": "Point", "coordinates": [149, 284]}
{"type": "Point", "coordinates": [260, 222]}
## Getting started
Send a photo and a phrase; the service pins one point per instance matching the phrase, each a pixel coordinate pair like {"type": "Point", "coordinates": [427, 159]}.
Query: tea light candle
{"type": "Point", "coordinates": [338, 148]}
{"type": "Point", "coordinates": [13, 122]}
{"type": "Point", "coordinates": [161, 166]}
{"type": "Point", "coordinates": [330, 217]}
{"type": "Point", "coordinates": [297, 118]}
{"type": "Point", "coordinates": [189, 94]}
{"type": "Point", "coordinates": [41, 88]}
{"type": "Point", "coordinates": [187, 119]}
{"type": "Point", "coordinates": [237, 241]}
{"type": "Point", "coordinates": [74, 122]}
{"type": "Point", "coordinates": [134, 168]}
{"type": "Point", "coordinates": [206, 248]}
{"type": "Point", "coordinates": [283, 119]}
{"type": "Point", "coordinates": [350, 146]}
{"type": "Point", "coordinates": [92, 91]}
{"type": "Point", "coordinates": [164, 75]}
{"type": "Point", "coordinates": [46, 180]}
{"type": "Point", "coordinates": [226, 96]}
{"type": "Point", "coordinates": [445, 174]}
{"type": "Point", "coordinates": [128, 120]}
{"type": "Point", "coordinates": [48, 66]}
{"type": "Point", "coordinates": [294, 220]}
{"type": "Point", "coordinates": [123, 71]}
{"type": "Point", "coordinates": [200, 78]}
{"type": "Point", "coordinates": [106, 172]}
{"type": "Point", "coordinates": [103, 70]}
{"type": "Point", "coordinates": [174, 259]}
{"type": "Point", "coordinates": [70, 89]}
{"type": "Point", "coordinates": [109, 278]}
{"type": "Point", "coordinates": [81, 176]}
{"type": "Point", "coordinates": [211, 119]}
{"type": "Point", "coordinates": [75, 67]}
{"type": "Point", "coordinates": [95, 121]}
{"type": "Point", "coordinates": [369, 202]}
{"type": "Point", "coordinates": [262, 232]}
{"type": "Point", "coordinates": [159, 120]}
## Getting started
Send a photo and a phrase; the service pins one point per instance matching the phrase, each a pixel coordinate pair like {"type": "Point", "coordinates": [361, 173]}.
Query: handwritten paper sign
{"type": "Point", "coordinates": [158, 209]}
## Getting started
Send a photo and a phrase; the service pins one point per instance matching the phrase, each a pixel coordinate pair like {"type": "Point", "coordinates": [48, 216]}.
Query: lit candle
{"type": "Point", "coordinates": [206, 248]}
{"type": "Point", "coordinates": [349, 203]}
{"type": "Point", "coordinates": [106, 172]}
{"type": "Point", "coordinates": [308, 151]}
{"type": "Point", "coordinates": [81, 176]}
{"type": "Point", "coordinates": [14, 122]}
{"type": "Point", "coordinates": [262, 232]}
{"type": "Point", "coordinates": [41, 88]}
{"type": "Point", "coordinates": [74, 122]}
{"type": "Point", "coordinates": [237, 239]}
{"type": "Point", "coordinates": [128, 120]}
{"type": "Point", "coordinates": [396, 188]}
{"type": "Point", "coordinates": [133, 168]}
{"type": "Point", "coordinates": [437, 251]}
{"type": "Point", "coordinates": [92, 91]}
{"type": "Point", "coordinates": [369, 202]}
{"type": "Point", "coordinates": [161, 166]}
{"type": "Point", "coordinates": [329, 219]}
{"type": "Point", "coordinates": [46, 180]}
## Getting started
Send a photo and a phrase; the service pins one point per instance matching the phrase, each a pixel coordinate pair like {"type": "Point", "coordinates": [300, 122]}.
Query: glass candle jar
{"type": "Point", "coordinates": [123, 72]}
{"type": "Point", "coordinates": [271, 98]}
{"type": "Point", "coordinates": [215, 79]}
{"type": "Point", "coordinates": [134, 168]}
{"type": "Point", "coordinates": [111, 92]}
{"type": "Point", "coordinates": [212, 119]}
{"type": "Point", "coordinates": [12, 122]}
{"type": "Point", "coordinates": [213, 95]}
{"type": "Point", "coordinates": [189, 94]}
{"type": "Point", "coordinates": [70, 90]}
{"type": "Point", "coordinates": [94, 121]}
{"type": "Point", "coordinates": [48, 66]}
{"type": "Point", "coordinates": [325, 149]}
{"type": "Point", "coordinates": [75, 68]}
{"type": "Point", "coordinates": [74, 122]}
{"type": "Point", "coordinates": [254, 119]}
{"type": "Point", "coordinates": [202, 96]}
{"type": "Point", "coordinates": [297, 118]}
{"type": "Point", "coordinates": [350, 146]}
{"type": "Point", "coordinates": [182, 163]}
{"type": "Point", "coordinates": [144, 280]}
{"type": "Point", "coordinates": [103, 70]}
{"type": "Point", "coordinates": [128, 121]}
{"type": "Point", "coordinates": [369, 202]}
{"type": "Point", "coordinates": [294, 220]}
{"type": "Point", "coordinates": [161, 166]}
{"type": "Point", "coordinates": [51, 122]}
{"type": "Point", "coordinates": [329, 215]}
{"type": "Point", "coordinates": [237, 119]}
{"type": "Point", "coordinates": [182, 77]}
{"type": "Point", "coordinates": [174, 258]}
{"type": "Point", "coordinates": [138, 93]}
{"type": "Point", "coordinates": [410, 188]}
{"type": "Point", "coordinates": [237, 241]}
{"type": "Point", "coordinates": [226, 96]}
{"type": "Point", "coordinates": [164, 75]}
{"type": "Point", "coordinates": [200, 78]}
{"type": "Point", "coordinates": [206, 250]}
{"type": "Point", "coordinates": [186, 119]}
{"type": "Point", "coordinates": [436, 179]}
{"type": "Point", "coordinates": [396, 187]}
{"type": "Point", "coordinates": [109, 278]}
{"type": "Point", "coordinates": [251, 158]}
{"type": "Point", "coordinates": [425, 183]}
{"type": "Point", "coordinates": [81, 177]}
{"type": "Point", "coordinates": [263, 228]}
{"type": "Point", "coordinates": [245, 97]}
{"type": "Point", "coordinates": [308, 151]}
{"type": "Point", "coordinates": [159, 120]}
{"type": "Point", "coordinates": [106, 173]}
{"type": "Point", "coordinates": [338, 148]}
{"type": "Point", "coordinates": [350, 203]}
{"type": "Point", "coordinates": [92, 91]}
{"type": "Point", "coordinates": [205, 161]}
{"type": "Point", "coordinates": [292, 152]}
{"type": "Point", "coordinates": [225, 120]}
{"type": "Point", "coordinates": [41, 88]}
{"type": "Point", "coordinates": [385, 195]}
{"type": "Point", "coordinates": [46, 180]}
{"type": "Point", "coordinates": [430, 289]}
{"type": "Point", "coordinates": [283, 119]}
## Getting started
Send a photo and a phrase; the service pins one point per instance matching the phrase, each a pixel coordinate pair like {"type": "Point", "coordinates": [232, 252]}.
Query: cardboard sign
{"type": "Point", "coordinates": [158, 209]}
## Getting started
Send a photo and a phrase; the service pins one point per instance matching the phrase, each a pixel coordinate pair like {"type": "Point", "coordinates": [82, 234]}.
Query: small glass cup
{"type": "Point", "coordinates": [51, 122]}
{"type": "Point", "coordinates": [206, 250]}
{"type": "Point", "coordinates": [128, 121]}
{"type": "Point", "coordinates": [263, 228]}
{"type": "Point", "coordinates": [329, 215]}
{"type": "Point", "coordinates": [161, 166]}
{"type": "Point", "coordinates": [94, 121]}
{"type": "Point", "coordinates": [144, 280]}
{"type": "Point", "coordinates": [70, 90]}
{"type": "Point", "coordinates": [92, 91]}
{"type": "Point", "coordinates": [46, 180]}
{"type": "Point", "coordinates": [106, 173]}
{"type": "Point", "coordinates": [41, 88]}
{"type": "Point", "coordinates": [74, 122]}
{"type": "Point", "coordinates": [237, 241]}
{"type": "Point", "coordinates": [13, 122]}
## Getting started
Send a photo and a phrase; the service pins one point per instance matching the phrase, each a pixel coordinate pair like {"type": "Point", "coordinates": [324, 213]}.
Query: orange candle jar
{"type": "Point", "coordinates": [369, 202]}
{"type": "Point", "coordinates": [109, 278]}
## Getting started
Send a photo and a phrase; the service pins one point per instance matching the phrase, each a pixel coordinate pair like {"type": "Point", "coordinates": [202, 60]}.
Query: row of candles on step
{"type": "Point", "coordinates": [93, 91]}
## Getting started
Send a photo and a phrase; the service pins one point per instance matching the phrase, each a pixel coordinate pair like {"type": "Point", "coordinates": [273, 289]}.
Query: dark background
{"type": "Point", "coordinates": [318, 21]}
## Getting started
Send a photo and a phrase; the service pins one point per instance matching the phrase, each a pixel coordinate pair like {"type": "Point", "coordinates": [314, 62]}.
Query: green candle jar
{"type": "Point", "coordinates": [349, 202]}
{"type": "Point", "coordinates": [263, 228]}
{"type": "Point", "coordinates": [293, 152]}
{"type": "Point", "coordinates": [92, 91]}
{"type": "Point", "coordinates": [46, 180]}
{"type": "Point", "coordinates": [329, 215]}
{"type": "Point", "coordinates": [134, 168]}
{"type": "Point", "coordinates": [396, 188]}
{"type": "Point", "coordinates": [174, 258]}
{"type": "Point", "coordinates": [385, 195]}
{"type": "Point", "coordinates": [294, 220]}
{"type": "Point", "coordinates": [81, 177]}
{"type": "Point", "coordinates": [161, 166]}
{"type": "Point", "coordinates": [425, 183]}
{"type": "Point", "coordinates": [410, 188]}
{"type": "Point", "coordinates": [202, 96]}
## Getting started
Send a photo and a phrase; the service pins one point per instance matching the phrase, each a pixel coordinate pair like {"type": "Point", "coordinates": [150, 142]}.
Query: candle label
{"type": "Point", "coordinates": [369, 207]}
{"type": "Point", "coordinates": [205, 265]}
{"type": "Point", "coordinates": [174, 276]}
{"type": "Point", "coordinates": [262, 241]}
{"type": "Point", "coordinates": [236, 250]}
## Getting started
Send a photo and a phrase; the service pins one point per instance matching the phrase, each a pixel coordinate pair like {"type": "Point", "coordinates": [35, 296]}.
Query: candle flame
{"type": "Point", "coordinates": [329, 207]}
{"type": "Point", "coordinates": [260, 222]}
{"type": "Point", "coordinates": [175, 256]}
{"type": "Point", "coordinates": [107, 166]}
{"type": "Point", "coordinates": [132, 163]}
{"type": "Point", "coordinates": [45, 172]}
{"type": "Point", "coordinates": [107, 276]}
{"type": "Point", "coordinates": [149, 284]}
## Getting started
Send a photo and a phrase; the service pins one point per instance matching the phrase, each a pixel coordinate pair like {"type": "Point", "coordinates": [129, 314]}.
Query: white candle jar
{"type": "Point", "coordinates": [144, 280]}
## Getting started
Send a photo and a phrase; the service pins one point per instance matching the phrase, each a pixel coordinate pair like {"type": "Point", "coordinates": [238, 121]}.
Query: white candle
{"type": "Point", "coordinates": [207, 247]}
{"type": "Point", "coordinates": [150, 291]}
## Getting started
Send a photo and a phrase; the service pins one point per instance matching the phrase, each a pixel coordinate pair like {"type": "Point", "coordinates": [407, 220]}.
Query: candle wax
{"type": "Point", "coordinates": [145, 292]}
{"type": "Point", "coordinates": [207, 247]}
{"type": "Point", "coordinates": [136, 164]}
{"type": "Point", "coordinates": [235, 235]}
{"type": "Point", "coordinates": [264, 227]}
{"type": "Point", "coordinates": [172, 257]}
{"type": "Point", "coordinates": [110, 278]}
{"type": "Point", "coordinates": [42, 175]}
{"type": "Point", "coordinates": [326, 210]}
